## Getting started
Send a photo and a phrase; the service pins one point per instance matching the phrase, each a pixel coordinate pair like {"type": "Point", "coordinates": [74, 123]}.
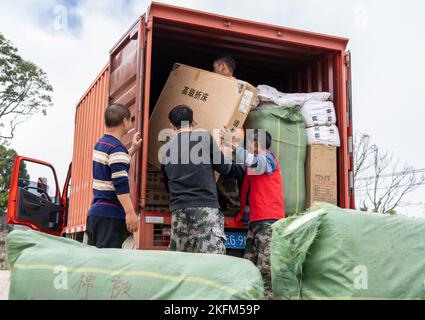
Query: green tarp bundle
{"type": "Point", "coordinates": [287, 128]}
{"type": "Point", "coordinates": [332, 253]}
{"type": "Point", "coordinates": [45, 267]}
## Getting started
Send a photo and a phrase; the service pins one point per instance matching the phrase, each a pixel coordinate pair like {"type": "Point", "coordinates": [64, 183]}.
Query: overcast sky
{"type": "Point", "coordinates": [386, 40]}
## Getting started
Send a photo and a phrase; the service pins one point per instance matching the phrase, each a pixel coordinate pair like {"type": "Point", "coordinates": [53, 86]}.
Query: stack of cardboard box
{"type": "Point", "coordinates": [322, 140]}
{"type": "Point", "coordinates": [321, 174]}
{"type": "Point", "coordinates": [157, 198]}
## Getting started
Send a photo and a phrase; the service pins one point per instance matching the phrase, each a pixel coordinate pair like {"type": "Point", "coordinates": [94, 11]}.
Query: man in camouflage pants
{"type": "Point", "coordinates": [197, 222]}
{"type": "Point", "coordinates": [258, 251]}
{"type": "Point", "coordinates": [261, 202]}
{"type": "Point", "coordinates": [198, 230]}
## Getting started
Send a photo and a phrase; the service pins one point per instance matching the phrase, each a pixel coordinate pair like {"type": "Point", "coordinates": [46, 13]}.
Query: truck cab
{"type": "Point", "coordinates": [35, 199]}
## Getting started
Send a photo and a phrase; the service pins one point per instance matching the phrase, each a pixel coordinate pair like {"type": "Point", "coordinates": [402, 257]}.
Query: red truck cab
{"type": "Point", "coordinates": [37, 203]}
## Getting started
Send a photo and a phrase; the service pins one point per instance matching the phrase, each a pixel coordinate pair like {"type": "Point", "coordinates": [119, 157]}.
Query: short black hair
{"type": "Point", "coordinates": [228, 60]}
{"type": "Point", "coordinates": [258, 132]}
{"type": "Point", "coordinates": [179, 114]}
{"type": "Point", "coordinates": [115, 115]}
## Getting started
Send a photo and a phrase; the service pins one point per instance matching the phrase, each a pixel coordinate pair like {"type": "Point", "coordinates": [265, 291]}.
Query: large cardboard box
{"type": "Point", "coordinates": [216, 101]}
{"type": "Point", "coordinates": [321, 174]}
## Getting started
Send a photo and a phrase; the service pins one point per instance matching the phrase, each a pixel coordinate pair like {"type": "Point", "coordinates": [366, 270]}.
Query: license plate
{"type": "Point", "coordinates": [236, 240]}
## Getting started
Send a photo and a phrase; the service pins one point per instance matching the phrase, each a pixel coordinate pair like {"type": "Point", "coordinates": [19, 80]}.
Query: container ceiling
{"type": "Point", "coordinates": [258, 60]}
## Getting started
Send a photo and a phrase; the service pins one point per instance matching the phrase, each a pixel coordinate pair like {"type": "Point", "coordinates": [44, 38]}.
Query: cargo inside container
{"type": "Point", "coordinates": [285, 66]}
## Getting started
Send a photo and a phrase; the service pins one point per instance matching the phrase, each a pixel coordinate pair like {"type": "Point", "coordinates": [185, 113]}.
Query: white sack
{"type": "Point", "coordinates": [270, 94]}
{"type": "Point", "coordinates": [326, 135]}
{"type": "Point", "coordinates": [318, 113]}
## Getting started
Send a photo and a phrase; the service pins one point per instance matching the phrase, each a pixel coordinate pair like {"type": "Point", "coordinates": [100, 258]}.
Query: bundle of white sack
{"type": "Point", "coordinates": [316, 108]}
{"type": "Point", "coordinates": [320, 120]}
{"type": "Point", "coordinates": [318, 113]}
{"type": "Point", "coordinates": [327, 135]}
{"type": "Point", "coordinates": [269, 97]}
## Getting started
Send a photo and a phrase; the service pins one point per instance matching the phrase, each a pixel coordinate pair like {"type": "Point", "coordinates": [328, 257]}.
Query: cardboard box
{"type": "Point", "coordinates": [321, 174]}
{"type": "Point", "coordinates": [157, 209]}
{"type": "Point", "coordinates": [157, 198]}
{"type": "Point", "coordinates": [216, 101]}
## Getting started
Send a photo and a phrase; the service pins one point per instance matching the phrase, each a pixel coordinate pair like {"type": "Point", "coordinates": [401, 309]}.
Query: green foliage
{"type": "Point", "coordinates": [7, 158]}
{"type": "Point", "coordinates": [24, 90]}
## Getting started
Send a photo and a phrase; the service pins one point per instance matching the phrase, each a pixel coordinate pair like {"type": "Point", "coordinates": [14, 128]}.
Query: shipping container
{"type": "Point", "coordinates": [88, 127]}
{"type": "Point", "coordinates": [288, 59]}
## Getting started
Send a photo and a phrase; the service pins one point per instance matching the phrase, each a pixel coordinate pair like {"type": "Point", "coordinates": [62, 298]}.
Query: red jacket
{"type": "Point", "coordinates": [265, 195]}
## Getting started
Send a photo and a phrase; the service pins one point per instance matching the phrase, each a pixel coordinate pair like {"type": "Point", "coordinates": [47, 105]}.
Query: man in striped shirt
{"type": "Point", "coordinates": [112, 210]}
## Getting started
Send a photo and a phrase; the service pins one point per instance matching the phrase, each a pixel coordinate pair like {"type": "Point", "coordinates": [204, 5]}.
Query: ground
{"type": "Point", "coordinates": [4, 285]}
{"type": "Point", "coordinates": [2, 250]}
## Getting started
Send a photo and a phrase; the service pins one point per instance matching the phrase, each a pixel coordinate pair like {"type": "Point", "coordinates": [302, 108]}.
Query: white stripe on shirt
{"type": "Point", "coordinates": [103, 185]}
{"type": "Point", "coordinates": [119, 174]}
{"type": "Point", "coordinates": [100, 157]}
{"type": "Point", "coordinates": [119, 157]}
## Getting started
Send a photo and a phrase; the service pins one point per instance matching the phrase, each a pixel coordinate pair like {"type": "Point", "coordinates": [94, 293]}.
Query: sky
{"type": "Point", "coordinates": [70, 41]}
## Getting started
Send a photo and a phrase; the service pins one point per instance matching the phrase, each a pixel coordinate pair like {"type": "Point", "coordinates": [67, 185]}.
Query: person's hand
{"type": "Point", "coordinates": [233, 139]}
{"type": "Point", "coordinates": [137, 142]}
{"type": "Point", "coordinates": [226, 142]}
{"type": "Point", "coordinates": [240, 135]}
{"type": "Point", "coordinates": [226, 137]}
{"type": "Point", "coordinates": [132, 222]}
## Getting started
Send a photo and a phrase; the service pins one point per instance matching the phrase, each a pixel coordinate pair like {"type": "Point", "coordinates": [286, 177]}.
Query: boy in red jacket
{"type": "Point", "coordinates": [261, 199]}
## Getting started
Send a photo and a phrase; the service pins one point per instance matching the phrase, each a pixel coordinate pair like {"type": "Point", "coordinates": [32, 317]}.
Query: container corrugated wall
{"type": "Point", "coordinates": [89, 128]}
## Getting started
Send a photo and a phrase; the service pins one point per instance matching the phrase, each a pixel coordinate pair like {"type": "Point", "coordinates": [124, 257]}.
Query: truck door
{"type": "Point", "coordinates": [350, 129]}
{"type": "Point", "coordinates": [34, 198]}
{"type": "Point", "coordinates": [126, 68]}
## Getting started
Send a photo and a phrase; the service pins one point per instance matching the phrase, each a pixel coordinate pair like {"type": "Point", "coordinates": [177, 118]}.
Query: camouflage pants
{"type": "Point", "coordinates": [258, 251]}
{"type": "Point", "coordinates": [198, 230]}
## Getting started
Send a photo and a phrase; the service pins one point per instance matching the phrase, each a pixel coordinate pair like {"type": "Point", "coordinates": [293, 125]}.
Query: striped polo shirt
{"type": "Point", "coordinates": [111, 163]}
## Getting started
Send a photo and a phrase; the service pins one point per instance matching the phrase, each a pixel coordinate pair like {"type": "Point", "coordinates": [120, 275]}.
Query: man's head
{"type": "Point", "coordinates": [118, 116]}
{"type": "Point", "coordinates": [181, 117]}
{"type": "Point", "coordinates": [225, 65]}
{"type": "Point", "coordinates": [259, 140]}
{"type": "Point", "coordinates": [42, 184]}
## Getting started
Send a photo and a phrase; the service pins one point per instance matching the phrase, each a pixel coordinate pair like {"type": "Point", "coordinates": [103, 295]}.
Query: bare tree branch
{"type": "Point", "coordinates": [408, 189]}
{"type": "Point", "coordinates": [379, 176]}
{"type": "Point", "coordinates": [361, 153]}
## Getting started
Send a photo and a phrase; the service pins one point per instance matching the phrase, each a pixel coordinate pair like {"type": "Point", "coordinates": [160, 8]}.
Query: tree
{"type": "Point", "coordinates": [24, 90]}
{"type": "Point", "coordinates": [7, 158]}
{"type": "Point", "coordinates": [381, 183]}
{"type": "Point", "coordinates": [362, 152]}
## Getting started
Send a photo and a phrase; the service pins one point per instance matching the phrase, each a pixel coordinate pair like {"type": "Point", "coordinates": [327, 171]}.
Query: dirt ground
{"type": "Point", "coordinates": [4, 285]}
{"type": "Point", "coordinates": [2, 250]}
